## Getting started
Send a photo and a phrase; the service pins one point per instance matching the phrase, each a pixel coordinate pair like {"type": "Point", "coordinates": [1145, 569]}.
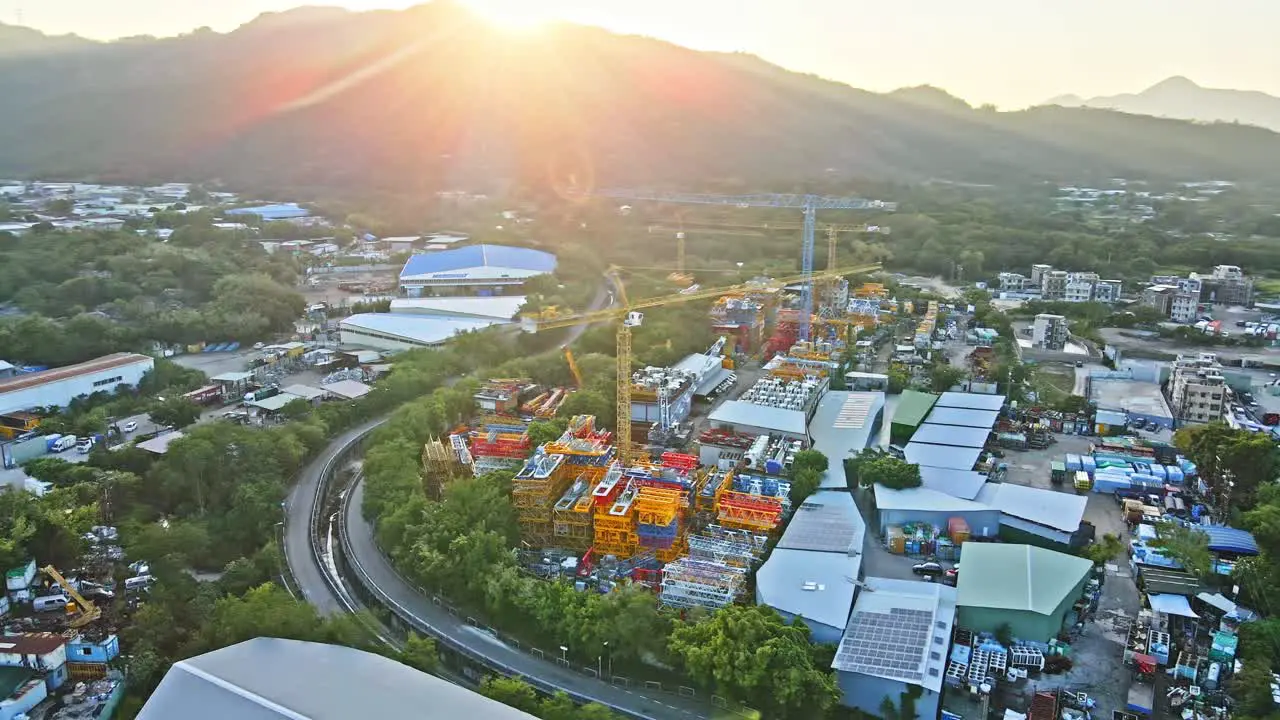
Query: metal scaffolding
{"type": "Point", "coordinates": [439, 467]}
{"type": "Point", "coordinates": [571, 517]}
{"type": "Point", "coordinates": [536, 488]}
{"type": "Point", "coordinates": [689, 582]}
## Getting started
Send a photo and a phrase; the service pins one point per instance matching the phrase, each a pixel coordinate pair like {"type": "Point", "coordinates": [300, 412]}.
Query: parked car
{"type": "Point", "coordinates": [1152, 425]}
{"type": "Point", "coordinates": [931, 569]}
{"type": "Point", "coordinates": [130, 426]}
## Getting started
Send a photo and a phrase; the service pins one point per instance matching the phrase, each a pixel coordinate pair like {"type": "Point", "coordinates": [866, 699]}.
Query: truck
{"type": "Point", "coordinates": [261, 394]}
{"type": "Point", "coordinates": [85, 444]}
{"type": "Point", "coordinates": [60, 443]}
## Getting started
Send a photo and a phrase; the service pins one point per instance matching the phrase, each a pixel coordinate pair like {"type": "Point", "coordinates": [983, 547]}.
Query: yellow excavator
{"type": "Point", "coordinates": [84, 611]}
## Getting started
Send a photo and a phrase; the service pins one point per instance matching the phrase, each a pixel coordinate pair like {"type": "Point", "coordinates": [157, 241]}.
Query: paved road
{"type": "Point", "coordinates": [376, 567]}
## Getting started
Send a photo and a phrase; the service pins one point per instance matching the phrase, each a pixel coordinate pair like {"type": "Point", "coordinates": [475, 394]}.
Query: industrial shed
{"type": "Point", "coordinates": [953, 435]}
{"type": "Point", "coordinates": [963, 484]}
{"type": "Point", "coordinates": [751, 419]}
{"type": "Point", "coordinates": [387, 331]}
{"type": "Point", "coordinates": [1029, 588]}
{"type": "Point", "coordinates": [964, 417]}
{"type": "Point", "coordinates": [970, 401]}
{"type": "Point", "coordinates": [817, 586]}
{"type": "Point", "coordinates": [1040, 517]}
{"type": "Point", "coordinates": [924, 505]}
{"type": "Point", "coordinates": [897, 637]}
{"type": "Point", "coordinates": [474, 270]}
{"type": "Point", "coordinates": [844, 424]}
{"type": "Point", "coordinates": [942, 456]}
{"type": "Point", "coordinates": [912, 409]}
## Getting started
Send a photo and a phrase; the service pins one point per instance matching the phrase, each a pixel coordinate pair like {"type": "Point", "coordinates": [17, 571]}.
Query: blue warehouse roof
{"type": "Point", "coordinates": [480, 256]}
{"type": "Point", "coordinates": [1228, 539]}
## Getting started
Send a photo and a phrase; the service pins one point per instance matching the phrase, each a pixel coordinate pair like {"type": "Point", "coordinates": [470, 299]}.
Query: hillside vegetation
{"type": "Point", "coordinates": [429, 98]}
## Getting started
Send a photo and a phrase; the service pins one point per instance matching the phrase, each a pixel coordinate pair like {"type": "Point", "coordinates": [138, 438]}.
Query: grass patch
{"type": "Point", "coordinates": [1053, 384]}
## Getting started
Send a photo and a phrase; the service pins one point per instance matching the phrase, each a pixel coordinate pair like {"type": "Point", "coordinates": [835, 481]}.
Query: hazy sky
{"type": "Point", "coordinates": [1008, 52]}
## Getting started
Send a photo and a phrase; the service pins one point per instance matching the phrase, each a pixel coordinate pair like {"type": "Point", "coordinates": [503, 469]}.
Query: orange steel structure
{"type": "Point", "coordinates": [745, 511]}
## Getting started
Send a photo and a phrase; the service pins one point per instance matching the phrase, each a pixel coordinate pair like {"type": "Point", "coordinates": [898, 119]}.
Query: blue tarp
{"type": "Point", "coordinates": [1228, 539]}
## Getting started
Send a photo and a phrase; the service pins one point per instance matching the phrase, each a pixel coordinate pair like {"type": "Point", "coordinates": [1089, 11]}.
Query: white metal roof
{"type": "Point", "coordinates": [274, 403]}
{"type": "Point", "coordinates": [958, 458]}
{"type": "Point", "coordinates": [498, 307]}
{"type": "Point", "coordinates": [844, 424]}
{"type": "Point", "coordinates": [962, 416]}
{"type": "Point", "coordinates": [275, 679]}
{"type": "Point", "coordinates": [348, 389]}
{"type": "Point", "coordinates": [1050, 508]}
{"type": "Point", "coordinates": [160, 444]}
{"type": "Point", "coordinates": [303, 391]}
{"type": "Point", "coordinates": [923, 499]}
{"type": "Point", "coordinates": [971, 401]}
{"type": "Point", "coordinates": [737, 412]}
{"type": "Point", "coordinates": [826, 522]}
{"type": "Point", "coordinates": [963, 484]}
{"type": "Point", "coordinates": [782, 581]}
{"type": "Point", "coordinates": [899, 630]}
{"type": "Point", "coordinates": [423, 329]}
{"type": "Point", "coordinates": [954, 435]}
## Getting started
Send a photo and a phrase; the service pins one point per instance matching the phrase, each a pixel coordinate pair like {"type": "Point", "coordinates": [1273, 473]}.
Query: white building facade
{"type": "Point", "coordinates": [59, 386]}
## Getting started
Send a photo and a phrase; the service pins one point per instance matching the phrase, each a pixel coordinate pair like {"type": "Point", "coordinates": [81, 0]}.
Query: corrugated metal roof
{"type": "Point", "coordinates": [272, 679]}
{"type": "Point", "coordinates": [1110, 417]}
{"type": "Point", "coordinates": [913, 406]}
{"type": "Point", "coordinates": [781, 582]}
{"type": "Point", "coordinates": [1228, 539]}
{"type": "Point", "coordinates": [942, 456]}
{"type": "Point", "coordinates": [478, 256]}
{"type": "Point", "coordinates": [160, 444]}
{"type": "Point", "coordinates": [963, 484]}
{"type": "Point", "coordinates": [1017, 577]}
{"type": "Point", "coordinates": [737, 412]}
{"type": "Point", "coordinates": [275, 402]}
{"type": "Point", "coordinates": [913, 615]}
{"type": "Point", "coordinates": [498, 307]}
{"type": "Point", "coordinates": [971, 401]}
{"type": "Point", "coordinates": [101, 364]}
{"type": "Point", "coordinates": [422, 329]}
{"type": "Point", "coordinates": [348, 389]}
{"type": "Point", "coordinates": [303, 391]}
{"type": "Point", "coordinates": [923, 499]}
{"type": "Point", "coordinates": [1050, 508]}
{"type": "Point", "coordinates": [955, 435]}
{"type": "Point", "coordinates": [843, 424]}
{"type": "Point", "coordinates": [964, 417]}
{"type": "Point", "coordinates": [825, 522]}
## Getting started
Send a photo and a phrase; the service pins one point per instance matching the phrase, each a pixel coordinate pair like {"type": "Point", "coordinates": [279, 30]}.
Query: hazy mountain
{"type": "Point", "coordinates": [16, 40]}
{"type": "Point", "coordinates": [1181, 98]}
{"type": "Point", "coordinates": [430, 97]}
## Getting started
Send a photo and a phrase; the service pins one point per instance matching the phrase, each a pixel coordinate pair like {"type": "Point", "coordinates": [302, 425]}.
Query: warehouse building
{"type": "Point", "coordinates": [951, 435]}
{"type": "Point", "coordinates": [811, 572]}
{"type": "Point", "coordinates": [1040, 517]}
{"type": "Point", "coordinates": [474, 270]}
{"type": "Point", "coordinates": [59, 386]}
{"type": "Point", "coordinates": [501, 308]}
{"type": "Point", "coordinates": [912, 409]}
{"type": "Point", "coordinates": [844, 424]}
{"type": "Point", "coordinates": [942, 456]}
{"type": "Point", "coordinates": [268, 678]}
{"type": "Point", "coordinates": [1136, 399]}
{"type": "Point", "coordinates": [935, 507]}
{"type": "Point", "coordinates": [1030, 589]}
{"type": "Point", "coordinates": [963, 484]}
{"type": "Point", "coordinates": [970, 401]}
{"type": "Point", "coordinates": [896, 641]}
{"type": "Point", "coordinates": [385, 331]}
{"type": "Point", "coordinates": [963, 417]}
{"type": "Point", "coordinates": [771, 407]}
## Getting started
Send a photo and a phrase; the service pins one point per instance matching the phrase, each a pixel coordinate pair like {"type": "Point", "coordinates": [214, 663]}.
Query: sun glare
{"type": "Point", "coordinates": [516, 15]}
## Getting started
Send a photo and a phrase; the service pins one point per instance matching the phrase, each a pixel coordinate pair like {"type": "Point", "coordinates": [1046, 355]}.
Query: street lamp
{"type": "Point", "coordinates": [606, 649]}
{"type": "Point", "coordinates": [564, 652]}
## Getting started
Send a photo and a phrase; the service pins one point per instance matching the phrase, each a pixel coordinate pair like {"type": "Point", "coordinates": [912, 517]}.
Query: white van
{"type": "Point", "coordinates": [141, 582]}
{"type": "Point", "coordinates": [49, 603]}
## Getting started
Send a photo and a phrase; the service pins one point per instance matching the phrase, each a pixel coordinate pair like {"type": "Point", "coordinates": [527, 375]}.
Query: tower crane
{"type": "Point", "coordinates": [809, 205]}
{"type": "Point", "coordinates": [88, 611]}
{"type": "Point", "coordinates": [629, 314]}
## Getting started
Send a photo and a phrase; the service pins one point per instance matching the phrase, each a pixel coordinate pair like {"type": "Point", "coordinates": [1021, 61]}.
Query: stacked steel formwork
{"type": "Point", "coordinates": [572, 516]}
{"type": "Point", "coordinates": [534, 492]}
{"type": "Point", "coordinates": [689, 582]}
{"type": "Point", "coordinates": [440, 466]}
{"type": "Point", "coordinates": [615, 523]}
{"type": "Point", "coordinates": [499, 444]}
{"type": "Point", "coordinates": [744, 511]}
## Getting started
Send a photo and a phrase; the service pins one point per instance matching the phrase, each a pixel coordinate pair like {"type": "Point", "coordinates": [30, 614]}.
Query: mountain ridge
{"type": "Point", "coordinates": [431, 98]}
{"type": "Point", "coordinates": [1180, 98]}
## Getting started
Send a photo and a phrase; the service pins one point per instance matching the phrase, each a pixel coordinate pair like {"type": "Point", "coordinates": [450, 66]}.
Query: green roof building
{"type": "Point", "coordinates": [1031, 589]}
{"type": "Point", "coordinates": [912, 409]}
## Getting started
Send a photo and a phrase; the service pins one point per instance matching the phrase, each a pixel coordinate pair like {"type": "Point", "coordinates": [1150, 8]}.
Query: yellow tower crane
{"type": "Point", "coordinates": [629, 313]}
{"type": "Point", "coordinates": [88, 612]}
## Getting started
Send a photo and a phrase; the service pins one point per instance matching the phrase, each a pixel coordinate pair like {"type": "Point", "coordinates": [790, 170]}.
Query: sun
{"type": "Point", "coordinates": [516, 15]}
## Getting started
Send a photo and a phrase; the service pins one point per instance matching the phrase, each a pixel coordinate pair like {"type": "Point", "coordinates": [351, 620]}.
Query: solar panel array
{"type": "Point", "coordinates": [888, 644]}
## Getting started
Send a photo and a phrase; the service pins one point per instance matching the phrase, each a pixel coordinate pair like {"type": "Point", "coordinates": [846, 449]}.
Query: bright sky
{"type": "Point", "coordinates": [1008, 52]}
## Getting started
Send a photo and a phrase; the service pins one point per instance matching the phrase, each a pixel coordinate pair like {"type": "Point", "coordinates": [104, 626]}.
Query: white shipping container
{"type": "Point", "coordinates": [21, 577]}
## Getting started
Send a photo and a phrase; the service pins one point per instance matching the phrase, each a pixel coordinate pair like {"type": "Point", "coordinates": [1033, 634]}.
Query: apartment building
{"type": "Point", "coordinates": [1107, 291]}
{"type": "Point", "coordinates": [1053, 285]}
{"type": "Point", "coordinates": [1049, 332]}
{"type": "Point", "coordinates": [1037, 274]}
{"type": "Point", "coordinates": [1159, 297]}
{"type": "Point", "coordinates": [1015, 282]}
{"type": "Point", "coordinates": [1078, 291]}
{"type": "Point", "coordinates": [1227, 285]}
{"type": "Point", "coordinates": [1184, 306]}
{"type": "Point", "coordinates": [1197, 389]}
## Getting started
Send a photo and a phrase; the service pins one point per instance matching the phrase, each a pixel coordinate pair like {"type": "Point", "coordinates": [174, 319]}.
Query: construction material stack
{"type": "Point", "coordinates": [440, 466]}
{"type": "Point", "coordinates": [741, 316]}
{"type": "Point", "coordinates": [572, 516]}
{"type": "Point", "coordinates": [536, 488]}
{"type": "Point", "coordinates": [499, 443]}
{"type": "Point", "coordinates": [502, 396]}
{"type": "Point", "coordinates": [615, 523]}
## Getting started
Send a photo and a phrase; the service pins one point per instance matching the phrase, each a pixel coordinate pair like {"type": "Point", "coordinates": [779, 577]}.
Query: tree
{"type": "Point", "coordinates": [1186, 545]}
{"type": "Point", "coordinates": [175, 412]}
{"type": "Point", "coordinates": [943, 377]}
{"type": "Point", "coordinates": [511, 691]}
{"type": "Point", "coordinates": [60, 206]}
{"type": "Point", "coordinates": [899, 379]}
{"type": "Point", "coordinates": [750, 655]}
{"type": "Point", "coordinates": [809, 460]}
{"type": "Point", "coordinates": [890, 472]}
{"type": "Point", "coordinates": [541, 431]}
{"type": "Point", "coordinates": [803, 484]}
{"type": "Point", "coordinates": [1234, 463]}
{"type": "Point", "coordinates": [420, 653]}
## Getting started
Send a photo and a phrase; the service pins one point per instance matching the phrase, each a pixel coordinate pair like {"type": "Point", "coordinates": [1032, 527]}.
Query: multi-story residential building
{"type": "Point", "coordinates": [1159, 297]}
{"type": "Point", "coordinates": [1053, 285]}
{"type": "Point", "coordinates": [1107, 291]}
{"type": "Point", "coordinates": [1049, 332]}
{"type": "Point", "coordinates": [1197, 389]}
{"type": "Point", "coordinates": [1227, 285]}
{"type": "Point", "coordinates": [1078, 291]}
{"type": "Point", "coordinates": [1038, 273]}
{"type": "Point", "coordinates": [1014, 282]}
{"type": "Point", "coordinates": [1184, 306]}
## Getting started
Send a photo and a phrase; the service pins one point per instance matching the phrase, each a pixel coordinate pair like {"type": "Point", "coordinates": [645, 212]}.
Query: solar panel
{"type": "Point", "coordinates": [888, 644]}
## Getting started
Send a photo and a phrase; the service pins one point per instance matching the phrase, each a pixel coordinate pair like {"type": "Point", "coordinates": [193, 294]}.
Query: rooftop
{"type": "Point", "coordinates": [943, 456]}
{"type": "Point", "coordinates": [1131, 396]}
{"type": "Point", "coordinates": [499, 261]}
{"type": "Point", "coordinates": [160, 444]}
{"type": "Point", "coordinates": [923, 499]}
{"type": "Point", "coordinates": [348, 389]}
{"type": "Point", "coordinates": [913, 406]}
{"type": "Point", "coordinates": [36, 379]}
{"type": "Point", "coordinates": [963, 417]}
{"type": "Point", "coordinates": [825, 522]}
{"type": "Point", "coordinates": [843, 425]}
{"type": "Point", "coordinates": [274, 403]}
{"type": "Point", "coordinates": [814, 585]}
{"type": "Point", "coordinates": [954, 435]}
{"type": "Point", "coordinates": [270, 679]}
{"type": "Point", "coordinates": [1018, 577]}
{"type": "Point", "coordinates": [31, 643]}
{"type": "Point", "coordinates": [1227, 539]}
{"type": "Point", "coordinates": [501, 307]}
{"type": "Point", "coordinates": [303, 391]}
{"type": "Point", "coordinates": [1050, 508]}
{"type": "Point", "coordinates": [899, 630]}
{"type": "Point", "coordinates": [963, 484]}
{"type": "Point", "coordinates": [971, 401]}
{"type": "Point", "coordinates": [738, 412]}
{"type": "Point", "coordinates": [422, 329]}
